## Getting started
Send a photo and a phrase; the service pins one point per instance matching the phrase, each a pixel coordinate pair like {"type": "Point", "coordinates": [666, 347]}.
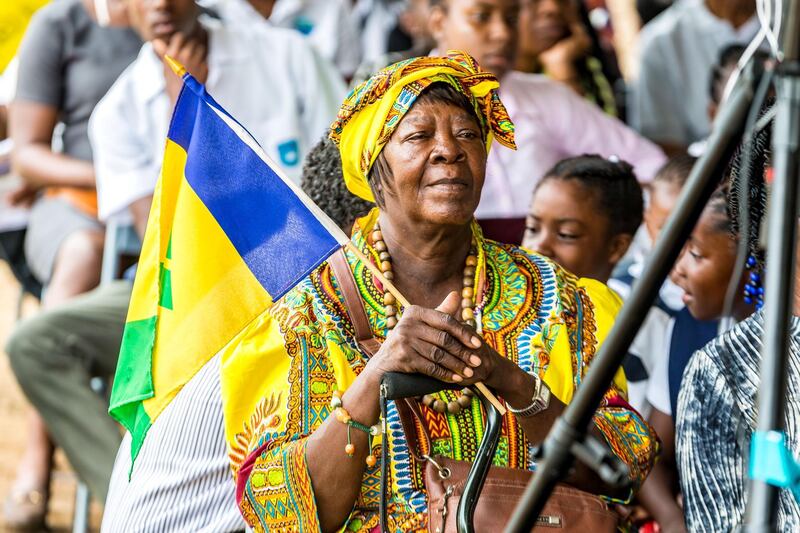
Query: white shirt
{"type": "Point", "coordinates": [678, 49]}
{"type": "Point", "coordinates": [269, 79]}
{"type": "Point", "coordinates": [376, 19]}
{"type": "Point", "coordinates": [553, 122]}
{"type": "Point", "coordinates": [658, 384]}
{"type": "Point", "coordinates": [329, 25]}
{"type": "Point", "coordinates": [648, 353]}
{"type": "Point", "coordinates": [181, 480]}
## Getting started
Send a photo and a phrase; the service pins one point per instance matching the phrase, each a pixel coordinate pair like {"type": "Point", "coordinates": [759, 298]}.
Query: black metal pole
{"type": "Point", "coordinates": [480, 468]}
{"type": "Point", "coordinates": [572, 426]}
{"type": "Point", "coordinates": [762, 504]}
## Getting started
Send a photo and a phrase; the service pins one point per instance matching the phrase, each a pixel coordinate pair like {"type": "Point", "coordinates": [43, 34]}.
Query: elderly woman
{"type": "Point", "coordinates": [414, 139]}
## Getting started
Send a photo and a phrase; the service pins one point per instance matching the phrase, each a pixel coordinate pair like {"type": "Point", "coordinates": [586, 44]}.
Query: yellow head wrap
{"type": "Point", "coordinates": [372, 111]}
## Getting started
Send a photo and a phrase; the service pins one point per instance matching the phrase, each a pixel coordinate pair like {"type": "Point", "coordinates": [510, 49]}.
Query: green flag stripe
{"type": "Point", "coordinates": [133, 382]}
{"type": "Point", "coordinates": [165, 287]}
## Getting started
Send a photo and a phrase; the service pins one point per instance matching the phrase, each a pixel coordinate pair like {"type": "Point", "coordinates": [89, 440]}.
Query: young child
{"type": "Point", "coordinates": [584, 214]}
{"type": "Point", "coordinates": [703, 271]}
{"type": "Point", "coordinates": [643, 353]}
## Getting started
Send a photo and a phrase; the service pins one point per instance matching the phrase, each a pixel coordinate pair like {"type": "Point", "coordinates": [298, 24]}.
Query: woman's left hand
{"type": "Point", "coordinates": [495, 371]}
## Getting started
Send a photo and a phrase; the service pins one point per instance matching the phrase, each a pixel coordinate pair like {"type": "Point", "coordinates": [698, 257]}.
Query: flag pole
{"type": "Point", "coordinates": [405, 303]}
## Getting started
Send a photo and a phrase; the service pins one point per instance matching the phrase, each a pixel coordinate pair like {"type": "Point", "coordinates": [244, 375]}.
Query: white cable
{"type": "Point", "coordinates": [776, 28]}
{"type": "Point", "coordinates": [765, 31]}
{"type": "Point", "coordinates": [764, 12]}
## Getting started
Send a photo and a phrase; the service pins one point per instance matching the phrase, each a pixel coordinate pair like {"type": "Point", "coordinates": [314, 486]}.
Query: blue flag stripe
{"type": "Point", "coordinates": [273, 231]}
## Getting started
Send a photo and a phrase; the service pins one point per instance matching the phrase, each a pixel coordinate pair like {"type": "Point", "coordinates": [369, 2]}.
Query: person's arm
{"type": "Point", "coordinates": [308, 456]}
{"type": "Point", "coordinates": [616, 424]}
{"type": "Point", "coordinates": [559, 61]}
{"type": "Point", "coordinates": [33, 114]}
{"type": "Point", "coordinates": [658, 492]}
{"type": "Point", "coordinates": [711, 459]}
{"type": "Point", "coordinates": [621, 427]}
{"type": "Point", "coordinates": [140, 211]}
{"type": "Point", "coordinates": [516, 388]}
{"type": "Point", "coordinates": [31, 125]}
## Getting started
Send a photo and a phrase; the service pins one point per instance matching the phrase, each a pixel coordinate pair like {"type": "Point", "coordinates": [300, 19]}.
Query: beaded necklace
{"type": "Point", "coordinates": [391, 309]}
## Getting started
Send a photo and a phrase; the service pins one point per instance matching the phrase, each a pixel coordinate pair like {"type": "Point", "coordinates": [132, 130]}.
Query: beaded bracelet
{"type": "Point", "coordinates": [344, 417]}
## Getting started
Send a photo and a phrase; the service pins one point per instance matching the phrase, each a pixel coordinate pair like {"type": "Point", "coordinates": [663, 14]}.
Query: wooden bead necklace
{"type": "Point", "coordinates": [391, 309]}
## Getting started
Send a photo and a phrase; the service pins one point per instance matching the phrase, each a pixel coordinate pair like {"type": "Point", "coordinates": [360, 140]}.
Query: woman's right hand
{"type": "Point", "coordinates": [431, 342]}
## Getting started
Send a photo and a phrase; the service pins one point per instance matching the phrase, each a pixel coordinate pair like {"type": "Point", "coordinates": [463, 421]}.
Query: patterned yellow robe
{"type": "Point", "coordinates": [544, 319]}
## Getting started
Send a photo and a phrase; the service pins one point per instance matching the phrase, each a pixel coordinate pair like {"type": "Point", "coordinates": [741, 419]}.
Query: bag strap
{"type": "Point", "coordinates": [354, 303]}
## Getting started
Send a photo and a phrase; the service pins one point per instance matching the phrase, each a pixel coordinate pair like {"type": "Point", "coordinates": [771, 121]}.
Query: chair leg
{"type": "Point", "coordinates": [20, 301]}
{"type": "Point", "coordinates": [80, 522]}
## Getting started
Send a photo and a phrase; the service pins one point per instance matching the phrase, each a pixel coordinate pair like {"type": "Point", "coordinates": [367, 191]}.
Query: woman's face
{"type": "Point", "coordinates": [437, 159]}
{"type": "Point", "coordinates": [565, 225]}
{"type": "Point", "coordinates": [705, 267]}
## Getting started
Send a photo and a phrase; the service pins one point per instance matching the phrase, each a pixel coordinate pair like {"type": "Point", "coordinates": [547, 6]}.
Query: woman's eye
{"type": "Point", "coordinates": [532, 229]}
{"type": "Point", "coordinates": [695, 255]}
{"type": "Point", "coordinates": [468, 134]}
{"type": "Point", "coordinates": [568, 236]}
{"type": "Point", "coordinates": [416, 136]}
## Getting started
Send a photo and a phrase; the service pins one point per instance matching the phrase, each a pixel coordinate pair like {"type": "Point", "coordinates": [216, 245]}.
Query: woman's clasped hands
{"type": "Point", "coordinates": [434, 343]}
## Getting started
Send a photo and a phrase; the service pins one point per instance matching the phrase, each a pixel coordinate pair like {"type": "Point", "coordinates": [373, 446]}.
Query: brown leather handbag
{"type": "Point", "coordinates": [568, 508]}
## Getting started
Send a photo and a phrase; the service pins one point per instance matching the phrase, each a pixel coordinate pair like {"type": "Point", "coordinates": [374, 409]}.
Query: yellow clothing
{"type": "Point", "coordinates": [14, 17]}
{"type": "Point", "coordinates": [278, 381]}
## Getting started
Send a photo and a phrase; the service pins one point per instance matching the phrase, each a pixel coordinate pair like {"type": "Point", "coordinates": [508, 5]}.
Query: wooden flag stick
{"type": "Point", "coordinates": [405, 303]}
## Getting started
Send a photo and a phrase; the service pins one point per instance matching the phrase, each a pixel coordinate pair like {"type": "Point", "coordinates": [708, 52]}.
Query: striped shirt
{"type": "Point", "coordinates": [181, 480]}
{"type": "Point", "coordinates": [715, 421]}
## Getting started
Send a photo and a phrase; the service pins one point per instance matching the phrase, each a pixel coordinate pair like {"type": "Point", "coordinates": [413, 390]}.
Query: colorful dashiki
{"type": "Point", "coordinates": [532, 312]}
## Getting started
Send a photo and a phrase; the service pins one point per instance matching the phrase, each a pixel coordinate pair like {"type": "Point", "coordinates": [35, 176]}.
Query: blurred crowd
{"type": "Point", "coordinates": [612, 104]}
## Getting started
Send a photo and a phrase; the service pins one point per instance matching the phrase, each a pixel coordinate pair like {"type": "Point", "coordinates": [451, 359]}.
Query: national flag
{"type": "Point", "coordinates": [228, 234]}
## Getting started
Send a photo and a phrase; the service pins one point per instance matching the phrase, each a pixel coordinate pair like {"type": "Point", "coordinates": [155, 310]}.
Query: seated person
{"type": "Point", "coordinates": [67, 62]}
{"type": "Point", "coordinates": [721, 73]}
{"type": "Point", "coordinates": [322, 182]}
{"type": "Point", "coordinates": [129, 125]}
{"type": "Point", "coordinates": [424, 169]}
{"type": "Point", "coordinates": [329, 25]}
{"type": "Point", "coordinates": [285, 96]}
{"type": "Point", "coordinates": [647, 347]}
{"type": "Point", "coordinates": [554, 41]}
{"type": "Point", "coordinates": [83, 337]}
{"type": "Point", "coordinates": [668, 103]}
{"type": "Point", "coordinates": [716, 407]}
{"type": "Point", "coordinates": [552, 121]}
{"type": "Point", "coordinates": [704, 272]}
{"type": "Point", "coordinates": [584, 214]}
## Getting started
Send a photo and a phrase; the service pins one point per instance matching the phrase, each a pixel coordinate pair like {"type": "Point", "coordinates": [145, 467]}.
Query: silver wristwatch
{"type": "Point", "coordinates": [539, 402]}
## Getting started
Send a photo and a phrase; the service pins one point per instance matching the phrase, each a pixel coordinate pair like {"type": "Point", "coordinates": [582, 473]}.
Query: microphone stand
{"type": "Point", "coordinates": [762, 501]}
{"type": "Point", "coordinates": [569, 432]}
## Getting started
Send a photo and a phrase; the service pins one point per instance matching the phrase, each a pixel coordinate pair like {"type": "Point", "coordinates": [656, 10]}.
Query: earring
{"type": "Point", "coordinates": [753, 290]}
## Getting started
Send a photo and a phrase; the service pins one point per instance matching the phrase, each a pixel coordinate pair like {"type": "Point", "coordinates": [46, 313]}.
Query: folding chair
{"type": "Point", "coordinates": [12, 252]}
